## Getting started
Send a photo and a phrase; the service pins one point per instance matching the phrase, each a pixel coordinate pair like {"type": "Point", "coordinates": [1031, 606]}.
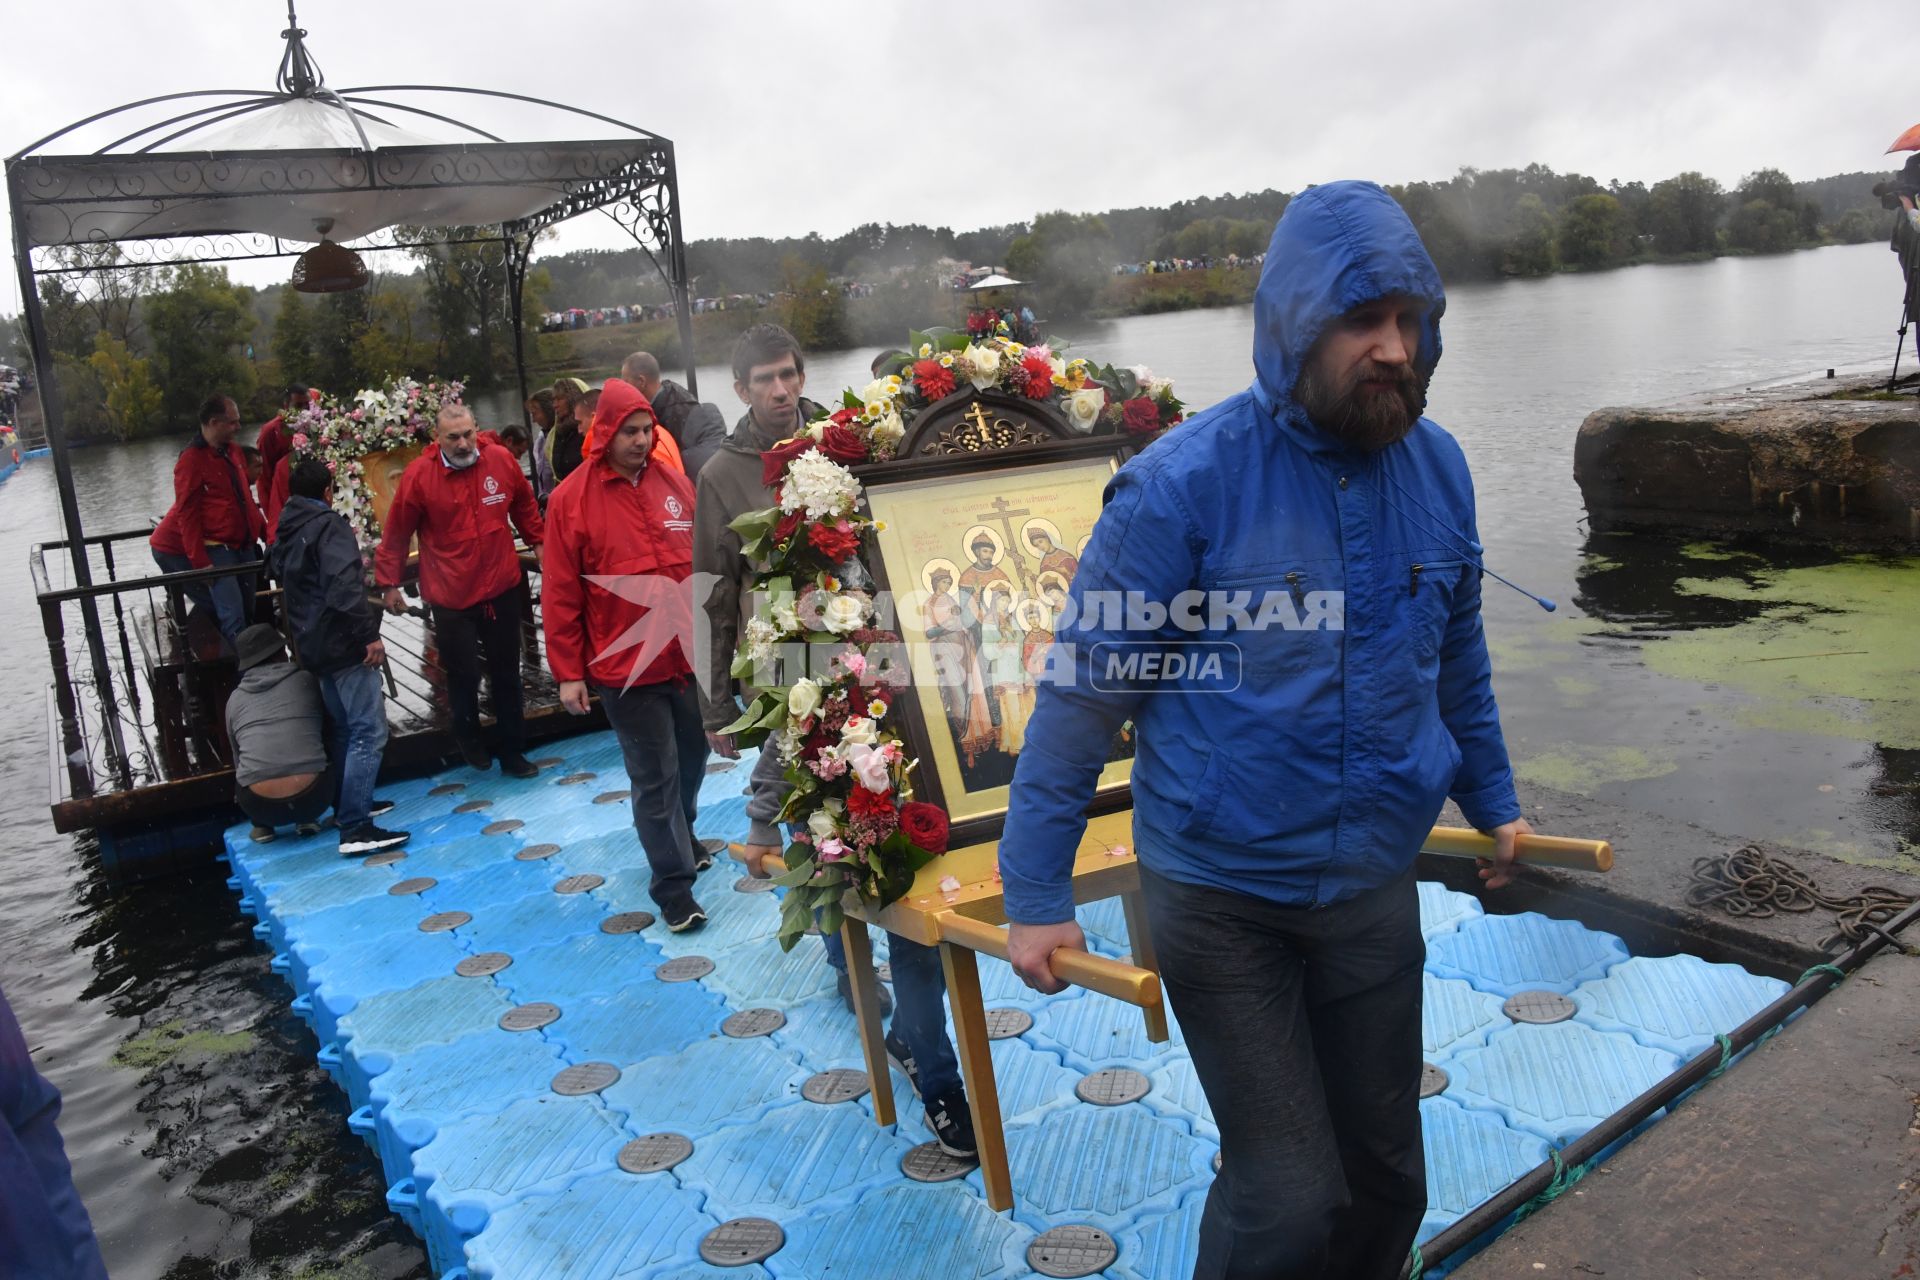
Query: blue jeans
{"type": "Point", "coordinates": [1304, 1026]}
{"type": "Point", "coordinates": [229, 599]}
{"type": "Point", "coordinates": [919, 1010]}
{"type": "Point", "coordinates": [359, 735]}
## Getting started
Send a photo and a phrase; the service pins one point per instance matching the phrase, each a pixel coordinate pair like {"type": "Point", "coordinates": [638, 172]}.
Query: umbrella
{"type": "Point", "coordinates": [1908, 141]}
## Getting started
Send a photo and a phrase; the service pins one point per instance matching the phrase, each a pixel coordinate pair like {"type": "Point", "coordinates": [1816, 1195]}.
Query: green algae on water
{"type": "Point", "coordinates": [1832, 651]}
{"type": "Point", "coordinates": [170, 1042]}
{"type": "Point", "coordinates": [1582, 770]}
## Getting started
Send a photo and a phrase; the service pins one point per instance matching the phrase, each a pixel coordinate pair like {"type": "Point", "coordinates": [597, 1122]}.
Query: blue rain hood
{"type": "Point", "coordinates": [1336, 247]}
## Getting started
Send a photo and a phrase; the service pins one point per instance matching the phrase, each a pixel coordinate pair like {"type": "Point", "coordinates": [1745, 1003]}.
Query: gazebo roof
{"type": "Point", "coordinates": [303, 160]}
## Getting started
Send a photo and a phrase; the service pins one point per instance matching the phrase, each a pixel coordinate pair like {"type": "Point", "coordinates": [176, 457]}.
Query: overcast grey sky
{"type": "Point", "coordinates": [791, 118]}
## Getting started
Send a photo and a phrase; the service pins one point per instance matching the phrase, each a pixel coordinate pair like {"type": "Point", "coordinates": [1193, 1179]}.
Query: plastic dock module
{"type": "Point", "coordinates": [417, 1095]}
{"type": "Point", "coordinates": [1510, 954]}
{"type": "Point", "coordinates": [560, 1089]}
{"type": "Point", "coordinates": [1679, 1003]}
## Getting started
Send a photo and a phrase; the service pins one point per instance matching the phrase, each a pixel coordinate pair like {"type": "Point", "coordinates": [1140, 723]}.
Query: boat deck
{"type": "Point", "coordinates": [508, 1150]}
{"type": "Point", "coordinates": [156, 749]}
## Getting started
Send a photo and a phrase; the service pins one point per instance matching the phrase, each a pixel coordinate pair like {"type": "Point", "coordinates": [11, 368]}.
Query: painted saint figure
{"type": "Point", "coordinates": [956, 658]}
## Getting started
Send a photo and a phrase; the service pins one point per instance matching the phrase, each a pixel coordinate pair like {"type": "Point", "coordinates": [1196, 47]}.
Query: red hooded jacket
{"type": "Point", "coordinates": [211, 504]}
{"type": "Point", "coordinates": [466, 542]}
{"type": "Point", "coordinates": [600, 523]}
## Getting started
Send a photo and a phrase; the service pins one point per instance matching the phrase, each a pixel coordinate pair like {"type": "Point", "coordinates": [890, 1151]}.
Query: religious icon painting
{"type": "Point", "coordinates": [978, 563]}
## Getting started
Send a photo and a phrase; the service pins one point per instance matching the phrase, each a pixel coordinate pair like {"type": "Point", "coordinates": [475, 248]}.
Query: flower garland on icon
{"type": "Point", "coordinates": [855, 823]}
{"type": "Point", "coordinates": [341, 433]}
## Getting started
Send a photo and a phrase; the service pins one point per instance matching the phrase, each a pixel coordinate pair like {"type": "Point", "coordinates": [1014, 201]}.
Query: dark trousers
{"type": "Point", "coordinates": [665, 746]}
{"type": "Point", "coordinates": [302, 806]}
{"type": "Point", "coordinates": [490, 628]}
{"type": "Point", "coordinates": [1304, 1026]}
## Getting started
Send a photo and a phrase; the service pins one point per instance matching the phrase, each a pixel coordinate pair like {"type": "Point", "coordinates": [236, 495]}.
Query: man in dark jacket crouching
{"type": "Point", "coordinates": [280, 773]}
{"type": "Point", "coordinates": [337, 631]}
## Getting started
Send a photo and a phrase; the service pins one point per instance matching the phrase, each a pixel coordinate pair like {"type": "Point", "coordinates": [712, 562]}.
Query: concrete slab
{"type": "Point", "coordinates": [1804, 1161]}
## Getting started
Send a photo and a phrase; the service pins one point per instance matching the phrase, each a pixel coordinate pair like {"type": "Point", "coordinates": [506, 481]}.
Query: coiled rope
{"type": "Point", "coordinates": [1754, 885]}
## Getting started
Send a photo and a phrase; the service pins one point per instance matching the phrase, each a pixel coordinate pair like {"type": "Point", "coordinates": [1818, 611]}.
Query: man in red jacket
{"type": "Point", "coordinates": [213, 520]}
{"type": "Point", "coordinates": [465, 499]}
{"type": "Point", "coordinates": [275, 440]}
{"type": "Point", "coordinates": [619, 616]}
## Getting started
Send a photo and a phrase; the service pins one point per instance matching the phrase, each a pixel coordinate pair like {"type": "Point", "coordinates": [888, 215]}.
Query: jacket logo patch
{"type": "Point", "coordinates": [673, 506]}
{"type": "Point", "coordinates": [493, 485]}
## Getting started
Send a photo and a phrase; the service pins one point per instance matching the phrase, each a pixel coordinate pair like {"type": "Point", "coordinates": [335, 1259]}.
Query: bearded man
{"type": "Point", "coordinates": [1278, 811]}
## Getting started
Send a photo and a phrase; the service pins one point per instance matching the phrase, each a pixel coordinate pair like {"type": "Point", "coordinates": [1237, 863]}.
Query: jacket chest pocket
{"type": "Point", "coordinates": [1286, 620]}
{"type": "Point", "coordinates": [1432, 584]}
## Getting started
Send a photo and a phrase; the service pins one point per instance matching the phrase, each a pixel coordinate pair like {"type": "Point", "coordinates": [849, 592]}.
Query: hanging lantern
{"type": "Point", "coordinates": [329, 267]}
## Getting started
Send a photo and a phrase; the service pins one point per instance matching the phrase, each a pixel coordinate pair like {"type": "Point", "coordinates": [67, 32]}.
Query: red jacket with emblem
{"type": "Point", "coordinates": [211, 504]}
{"type": "Point", "coordinates": [640, 531]}
{"type": "Point", "coordinates": [462, 517]}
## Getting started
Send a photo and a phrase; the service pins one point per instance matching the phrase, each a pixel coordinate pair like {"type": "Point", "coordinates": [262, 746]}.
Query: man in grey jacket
{"type": "Point", "coordinates": [769, 373]}
{"type": "Point", "coordinates": [695, 426]}
{"type": "Point", "coordinates": [280, 771]}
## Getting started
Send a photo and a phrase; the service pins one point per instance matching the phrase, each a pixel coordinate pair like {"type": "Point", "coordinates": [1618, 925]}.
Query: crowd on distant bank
{"type": "Point", "coordinates": [1205, 262]}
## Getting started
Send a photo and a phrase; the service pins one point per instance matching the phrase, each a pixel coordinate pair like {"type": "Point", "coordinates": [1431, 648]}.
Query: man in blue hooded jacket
{"type": "Point", "coordinates": [1321, 531]}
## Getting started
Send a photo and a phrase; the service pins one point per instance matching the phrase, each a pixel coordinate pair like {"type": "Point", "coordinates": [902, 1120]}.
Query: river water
{"type": "Point", "coordinates": [207, 1144]}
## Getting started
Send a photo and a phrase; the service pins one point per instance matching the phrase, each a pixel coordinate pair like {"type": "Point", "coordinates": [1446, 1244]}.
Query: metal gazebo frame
{"type": "Point", "coordinates": [176, 207]}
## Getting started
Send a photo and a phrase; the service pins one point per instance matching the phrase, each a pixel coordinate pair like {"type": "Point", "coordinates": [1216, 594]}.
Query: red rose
{"type": "Point", "coordinates": [925, 825]}
{"type": "Point", "coordinates": [775, 461]}
{"type": "Point", "coordinates": [842, 445]}
{"type": "Point", "coordinates": [843, 416]}
{"type": "Point", "coordinates": [785, 529]}
{"type": "Point", "coordinates": [837, 541]}
{"type": "Point", "coordinates": [1039, 377]}
{"type": "Point", "coordinates": [934, 379]}
{"type": "Point", "coordinates": [1140, 415]}
{"type": "Point", "coordinates": [862, 803]}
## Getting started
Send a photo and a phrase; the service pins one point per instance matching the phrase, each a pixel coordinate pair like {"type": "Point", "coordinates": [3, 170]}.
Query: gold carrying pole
{"type": "Point", "coordinates": [1538, 851]}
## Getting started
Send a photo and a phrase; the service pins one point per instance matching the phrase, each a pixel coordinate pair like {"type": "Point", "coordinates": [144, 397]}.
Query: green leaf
{"type": "Point", "coordinates": [848, 400]}
{"type": "Point", "coordinates": [755, 524]}
{"type": "Point", "coordinates": [756, 711]}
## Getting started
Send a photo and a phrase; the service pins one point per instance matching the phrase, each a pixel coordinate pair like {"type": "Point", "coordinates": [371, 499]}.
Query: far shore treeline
{"type": "Point", "coordinates": [136, 348]}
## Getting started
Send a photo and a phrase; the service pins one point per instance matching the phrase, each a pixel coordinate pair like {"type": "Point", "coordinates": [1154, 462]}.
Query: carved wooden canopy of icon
{"type": "Point", "coordinates": [984, 422]}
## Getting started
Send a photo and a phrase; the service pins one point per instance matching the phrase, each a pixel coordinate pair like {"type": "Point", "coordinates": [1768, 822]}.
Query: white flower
{"type": "Point", "coordinates": [1059, 367]}
{"type": "Point", "coordinates": [817, 430]}
{"type": "Point", "coordinates": [860, 730]}
{"type": "Point", "coordinates": [758, 641]}
{"type": "Point", "coordinates": [821, 825]}
{"type": "Point", "coordinates": [803, 699]}
{"type": "Point", "coordinates": [879, 393]}
{"type": "Point", "coordinates": [887, 429]}
{"type": "Point", "coordinates": [1084, 406]}
{"type": "Point", "coordinates": [820, 486]}
{"type": "Point", "coordinates": [844, 613]}
{"type": "Point", "coordinates": [983, 364]}
{"type": "Point", "coordinates": [785, 617]}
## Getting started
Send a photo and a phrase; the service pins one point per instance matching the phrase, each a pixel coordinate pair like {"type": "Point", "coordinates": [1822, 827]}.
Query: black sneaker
{"type": "Point", "coordinates": [379, 808]}
{"type": "Point", "coordinates": [475, 754]}
{"type": "Point", "coordinates": [902, 1059]}
{"type": "Point", "coordinates": [367, 838]}
{"type": "Point", "coordinates": [846, 995]}
{"type": "Point", "coordinates": [701, 859]}
{"type": "Point", "coordinates": [515, 765]}
{"type": "Point", "coordinates": [693, 919]}
{"type": "Point", "coordinates": [952, 1126]}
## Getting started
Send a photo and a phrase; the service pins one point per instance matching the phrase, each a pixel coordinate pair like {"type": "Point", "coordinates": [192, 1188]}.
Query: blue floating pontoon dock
{"type": "Point", "coordinates": [504, 1035]}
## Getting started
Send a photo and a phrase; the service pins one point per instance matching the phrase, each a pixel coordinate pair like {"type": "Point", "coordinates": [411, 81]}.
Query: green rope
{"type": "Point", "coordinates": [1726, 1056]}
{"type": "Point", "coordinates": [1419, 1267]}
{"type": "Point", "coordinates": [1839, 974]}
{"type": "Point", "coordinates": [1563, 1179]}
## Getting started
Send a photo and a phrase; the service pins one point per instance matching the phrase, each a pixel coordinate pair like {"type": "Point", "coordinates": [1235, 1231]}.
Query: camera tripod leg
{"type": "Point", "coordinates": [1906, 318]}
